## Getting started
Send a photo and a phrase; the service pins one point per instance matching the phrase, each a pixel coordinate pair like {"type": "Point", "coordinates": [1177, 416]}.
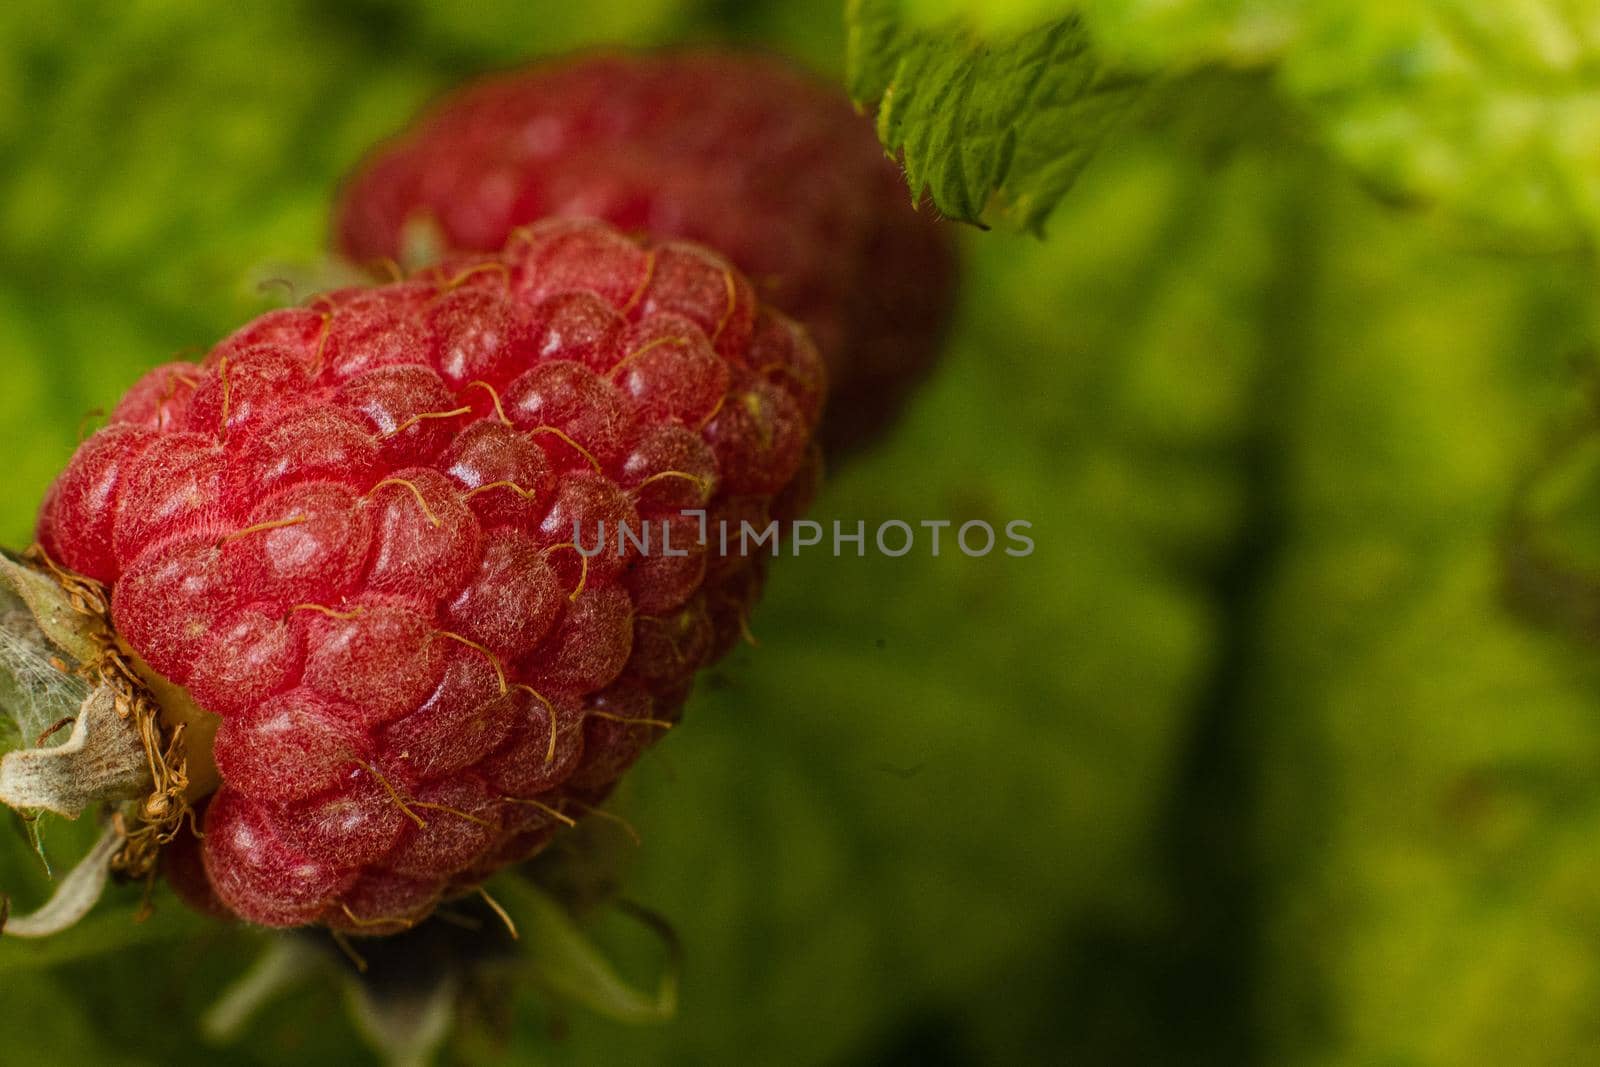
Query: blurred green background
{"type": "Point", "coordinates": [1251, 762]}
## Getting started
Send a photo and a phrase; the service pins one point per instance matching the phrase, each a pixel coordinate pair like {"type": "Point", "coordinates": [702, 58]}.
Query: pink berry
{"type": "Point", "coordinates": [772, 168]}
{"type": "Point", "coordinates": [367, 537]}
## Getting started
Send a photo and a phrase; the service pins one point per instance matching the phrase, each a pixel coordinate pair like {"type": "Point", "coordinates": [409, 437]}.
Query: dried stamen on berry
{"type": "Point", "coordinates": [565, 820]}
{"type": "Point", "coordinates": [422, 417]}
{"type": "Point", "coordinates": [733, 302]}
{"type": "Point", "coordinates": [550, 753]}
{"type": "Point", "coordinates": [694, 479]}
{"type": "Point", "coordinates": [263, 527]}
{"type": "Point", "coordinates": [323, 609]}
{"type": "Point", "coordinates": [227, 396]}
{"type": "Point", "coordinates": [494, 396]}
{"type": "Point", "coordinates": [500, 911]}
{"type": "Point", "coordinates": [575, 446]}
{"type": "Point", "coordinates": [494, 660]}
{"type": "Point", "coordinates": [660, 724]}
{"type": "Point", "coordinates": [457, 812]}
{"type": "Point", "coordinates": [488, 267]}
{"type": "Point", "coordinates": [368, 924]}
{"type": "Point", "coordinates": [394, 794]}
{"type": "Point", "coordinates": [654, 343]}
{"type": "Point", "coordinates": [525, 493]}
{"type": "Point", "coordinates": [422, 501]}
{"type": "Point", "coordinates": [583, 567]}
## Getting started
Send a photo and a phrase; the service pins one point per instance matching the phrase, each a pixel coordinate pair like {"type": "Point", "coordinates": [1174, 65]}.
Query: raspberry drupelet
{"type": "Point", "coordinates": [361, 533]}
{"type": "Point", "coordinates": [742, 153]}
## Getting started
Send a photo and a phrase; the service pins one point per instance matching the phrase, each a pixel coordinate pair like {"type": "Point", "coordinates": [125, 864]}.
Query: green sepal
{"type": "Point", "coordinates": [567, 963]}
{"type": "Point", "coordinates": [65, 627]}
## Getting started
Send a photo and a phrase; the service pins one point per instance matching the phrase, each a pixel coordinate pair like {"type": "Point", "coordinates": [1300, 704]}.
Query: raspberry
{"type": "Point", "coordinates": [740, 153]}
{"type": "Point", "coordinates": [359, 534]}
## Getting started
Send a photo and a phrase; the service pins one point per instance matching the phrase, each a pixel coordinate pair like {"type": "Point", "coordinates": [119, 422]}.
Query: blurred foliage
{"type": "Point", "coordinates": [1251, 761]}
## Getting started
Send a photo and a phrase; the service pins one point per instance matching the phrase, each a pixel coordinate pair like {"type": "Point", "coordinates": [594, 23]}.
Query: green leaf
{"type": "Point", "coordinates": [991, 130]}
{"type": "Point", "coordinates": [1489, 113]}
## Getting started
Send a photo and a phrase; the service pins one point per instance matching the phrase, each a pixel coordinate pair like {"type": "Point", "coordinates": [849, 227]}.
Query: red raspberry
{"type": "Point", "coordinates": [350, 533]}
{"type": "Point", "coordinates": [741, 153]}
